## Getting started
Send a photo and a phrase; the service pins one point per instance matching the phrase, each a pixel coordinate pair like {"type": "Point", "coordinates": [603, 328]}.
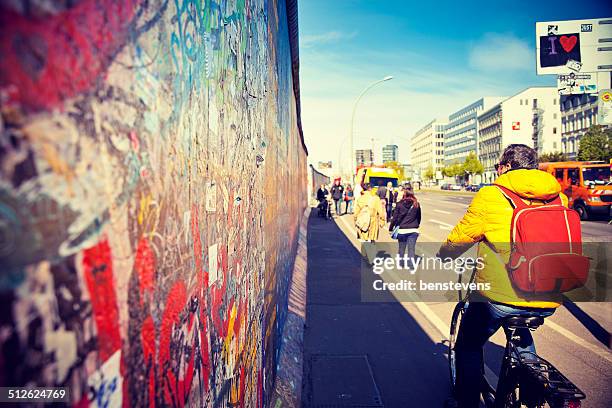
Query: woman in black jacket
{"type": "Point", "coordinates": [407, 216]}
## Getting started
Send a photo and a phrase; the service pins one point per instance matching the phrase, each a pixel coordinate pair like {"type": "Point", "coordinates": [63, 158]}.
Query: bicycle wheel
{"type": "Point", "coordinates": [452, 339]}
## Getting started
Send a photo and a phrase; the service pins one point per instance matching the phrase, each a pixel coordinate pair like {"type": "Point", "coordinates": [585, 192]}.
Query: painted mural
{"type": "Point", "coordinates": [152, 181]}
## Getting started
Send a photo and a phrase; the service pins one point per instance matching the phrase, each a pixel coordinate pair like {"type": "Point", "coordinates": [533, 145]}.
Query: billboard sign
{"type": "Point", "coordinates": [577, 83]}
{"type": "Point", "coordinates": [563, 47]}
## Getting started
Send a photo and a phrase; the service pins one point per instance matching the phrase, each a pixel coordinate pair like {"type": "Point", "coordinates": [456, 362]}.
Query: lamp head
{"type": "Point", "coordinates": [388, 77]}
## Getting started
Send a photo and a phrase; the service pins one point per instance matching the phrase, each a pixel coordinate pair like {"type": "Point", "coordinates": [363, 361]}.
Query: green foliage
{"type": "Point", "coordinates": [399, 169]}
{"type": "Point", "coordinates": [552, 157]}
{"type": "Point", "coordinates": [453, 170]}
{"type": "Point", "coordinates": [429, 174]}
{"type": "Point", "coordinates": [596, 144]}
{"type": "Point", "coordinates": [472, 165]}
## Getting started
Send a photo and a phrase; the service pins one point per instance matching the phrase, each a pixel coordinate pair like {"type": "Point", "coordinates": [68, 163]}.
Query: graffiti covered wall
{"type": "Point", "coordinates": [152, 182]}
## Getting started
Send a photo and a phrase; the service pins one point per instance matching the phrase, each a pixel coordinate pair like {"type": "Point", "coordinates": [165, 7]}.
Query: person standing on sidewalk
{"type": "Point", "coordinates": [337, 193]}
{"type": "Point", "coordinates": [349, 198]}
{"type": "Point", "coordinates": [407, 218]}
{"type": "Point", "coordinates": [389, 199]}
{"type": "Point", "coordinates": [370, 205]}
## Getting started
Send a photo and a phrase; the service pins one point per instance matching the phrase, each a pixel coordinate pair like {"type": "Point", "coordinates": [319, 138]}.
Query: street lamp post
{"type": "Point", "coordinates": [372, 85]}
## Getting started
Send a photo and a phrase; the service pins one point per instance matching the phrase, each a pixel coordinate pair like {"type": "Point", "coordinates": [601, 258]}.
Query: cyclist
{"type": "Point", "coordinates": [487, 222]}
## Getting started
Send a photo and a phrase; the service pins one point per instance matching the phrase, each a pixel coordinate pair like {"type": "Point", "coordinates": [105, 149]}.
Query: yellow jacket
{"type": "Point", "coordinates": [487, 221]}
{"type": "Point", "coordinates": [377, 215]}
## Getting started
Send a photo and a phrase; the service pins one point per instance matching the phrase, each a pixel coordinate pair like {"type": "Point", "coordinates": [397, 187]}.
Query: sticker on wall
{"type": "Point", "coordinates": [211, 197]}
{"type": "Point", "coordinates": [516, 125]}
{"type": "Point", "coordinates": [213, 264]}
{"type": "Point", "coordinates": [106, 383]}
{"type": "Point", "coordinates": [575, 66]}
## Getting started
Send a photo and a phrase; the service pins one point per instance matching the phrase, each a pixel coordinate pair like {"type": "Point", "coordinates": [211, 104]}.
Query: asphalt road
{"type": "Point", "coordinates": [576, 339]}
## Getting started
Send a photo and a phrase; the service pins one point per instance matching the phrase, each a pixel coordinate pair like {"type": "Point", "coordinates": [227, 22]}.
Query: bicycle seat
{"type": "Point", "coordinates": [519, 321]}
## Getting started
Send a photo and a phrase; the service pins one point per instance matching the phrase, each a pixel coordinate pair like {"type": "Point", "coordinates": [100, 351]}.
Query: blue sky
{"type": "Point", "coordinates": [442, 54]}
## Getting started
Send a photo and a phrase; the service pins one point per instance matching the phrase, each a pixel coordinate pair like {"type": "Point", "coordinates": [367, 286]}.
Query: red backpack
{"type": "Point", "coordinates": [546, 253]}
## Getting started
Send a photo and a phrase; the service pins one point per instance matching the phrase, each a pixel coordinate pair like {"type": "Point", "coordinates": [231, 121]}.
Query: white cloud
{"type": "Point", "coordinates": [325, 38]}
{"type": "Point", "coordinates": [501, 52]}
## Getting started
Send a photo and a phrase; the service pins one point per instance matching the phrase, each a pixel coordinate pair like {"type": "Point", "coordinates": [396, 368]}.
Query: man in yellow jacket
{"type": "Point", "coordinates": [487, 222]}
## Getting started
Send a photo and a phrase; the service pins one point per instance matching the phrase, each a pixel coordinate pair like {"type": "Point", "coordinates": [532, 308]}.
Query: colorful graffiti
{"type": "Point", "coordinates": [152, 181]}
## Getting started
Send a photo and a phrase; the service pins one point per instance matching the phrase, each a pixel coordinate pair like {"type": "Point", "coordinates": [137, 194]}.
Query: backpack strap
{"type": "Point", "coordinates": [517, 202]}
{"type": "Point", "coordinates": [511, 196]}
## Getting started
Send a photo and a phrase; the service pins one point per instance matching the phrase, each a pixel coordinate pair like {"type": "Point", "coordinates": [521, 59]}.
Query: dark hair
{"type": "Point", "coordinates": [409, 197]}
{"type": "Point", "coordinates": [519, 156]}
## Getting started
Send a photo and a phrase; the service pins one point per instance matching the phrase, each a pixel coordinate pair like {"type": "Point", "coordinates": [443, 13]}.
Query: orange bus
{"type": "Point", "coordinates": [586, 184]}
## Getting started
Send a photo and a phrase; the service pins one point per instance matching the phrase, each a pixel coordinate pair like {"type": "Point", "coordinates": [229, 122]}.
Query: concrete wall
{"type": "Point", "coordinates": [153, 177]}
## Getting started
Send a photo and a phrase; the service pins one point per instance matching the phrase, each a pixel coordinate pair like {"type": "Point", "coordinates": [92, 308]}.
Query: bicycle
{"type": "Point", "coordinates": [526, 379]}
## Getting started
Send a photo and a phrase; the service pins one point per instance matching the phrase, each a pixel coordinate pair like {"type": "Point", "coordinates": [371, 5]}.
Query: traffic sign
{"type": "Point", "coordinates": [604, 107]}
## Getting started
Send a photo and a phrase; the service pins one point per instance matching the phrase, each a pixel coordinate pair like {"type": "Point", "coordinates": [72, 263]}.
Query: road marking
{"type": "Point", "coordinates": [426, 311]}
{"type": "Point", "coordinates": [443, 212]}
{"type": "Point", "coordinates": [443, 329]}
{"type": "Point", "coordinates": [441, 224]}
{"type": "Point", "coordinates": [606, 355]}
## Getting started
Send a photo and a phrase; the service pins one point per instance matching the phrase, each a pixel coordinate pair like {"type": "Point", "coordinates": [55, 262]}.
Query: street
{"type": "Point", "coordinates": [404, 342]}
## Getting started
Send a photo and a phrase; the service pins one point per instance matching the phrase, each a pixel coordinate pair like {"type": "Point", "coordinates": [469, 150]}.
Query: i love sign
{"type": "Point", "coordinates": [556, 50]}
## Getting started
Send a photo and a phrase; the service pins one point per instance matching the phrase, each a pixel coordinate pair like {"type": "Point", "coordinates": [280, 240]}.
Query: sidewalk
{"type": "Point", "coordinates": [362, 354]}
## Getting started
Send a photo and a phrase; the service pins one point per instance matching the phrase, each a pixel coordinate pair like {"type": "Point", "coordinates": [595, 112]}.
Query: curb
{"type": "Point", "coordinates": [287, 390]}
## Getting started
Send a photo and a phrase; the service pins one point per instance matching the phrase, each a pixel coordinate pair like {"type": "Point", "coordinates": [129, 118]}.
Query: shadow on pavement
{"type": "Point", "coordinates": [405, 367]}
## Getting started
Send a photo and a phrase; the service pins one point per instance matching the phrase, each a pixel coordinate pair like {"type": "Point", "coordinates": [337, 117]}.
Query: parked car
{"type": "Point", "coordinates": [445, 186]}
{"type": "Point", "coordinates": [455, 187]}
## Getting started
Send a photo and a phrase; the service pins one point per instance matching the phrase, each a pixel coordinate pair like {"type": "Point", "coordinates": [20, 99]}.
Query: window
{"type": "Point", "coordinates": [554, 131]}
{"type": "Point", "coordinates": [521, 101]}
{"type": "Point", "coordinates": [555, 101]}
{"type": "Point", "coordinates": [555, 145]}
{"type": "Point", "coordinates": [535, 103]}
{"type": "Point", "coordinates": [554, 116]}
{"type": "Point", "coordinates": [559, 175]}
{"type": "Point", "coordinates": [573, 177]}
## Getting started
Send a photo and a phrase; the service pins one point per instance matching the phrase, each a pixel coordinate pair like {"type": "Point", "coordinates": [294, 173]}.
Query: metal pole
{"type": "Point", "coordinates": [351, 152]}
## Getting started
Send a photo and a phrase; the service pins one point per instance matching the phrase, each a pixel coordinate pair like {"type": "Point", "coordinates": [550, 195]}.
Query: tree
{"type": "Point", "coordinates": [472, 165]}
{"type": "Point", "coordinates": [429, 173]}
{"type": "Point", "coordinates": [596, 144]}
{"type": "Point", "coordinates": [552, 157]}
{"type": "Point", "coordinates": [453, 170]}
{"type": "Point", "coordinates": [399, 169]}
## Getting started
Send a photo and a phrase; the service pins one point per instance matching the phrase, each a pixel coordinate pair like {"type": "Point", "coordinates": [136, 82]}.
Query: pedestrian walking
{"type": "Point", "coordinates": [405, 224]}
{"type": "Point", "coordinates": [389, 199]}
{"type": "Point", "coordinates": [337, 193]}
{"type": "Point", "coordinates": [369, 215]}
{"type": "Point", "coordinates": [349, 198]}
{"type": "Point", "coordinates": [322, 194]}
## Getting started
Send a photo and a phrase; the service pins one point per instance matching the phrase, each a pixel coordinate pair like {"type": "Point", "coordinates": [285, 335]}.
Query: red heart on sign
{"type": "Point", "coordinates": [568, 43]}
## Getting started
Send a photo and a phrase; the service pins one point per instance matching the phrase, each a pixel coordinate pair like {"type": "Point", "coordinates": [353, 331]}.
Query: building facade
{"type": "Point", "coordinates": [428, 148]}
{"type": "Point", "coordinates": [461, 132]}
{"type": "Point", "coordinates": [578, 114]}
{"type": "Point", "coordinates": [364, 157]}
{"type": "Point", "coordinates": [531, 117]}
{"type": "Point", "coordinates": [389, 153]}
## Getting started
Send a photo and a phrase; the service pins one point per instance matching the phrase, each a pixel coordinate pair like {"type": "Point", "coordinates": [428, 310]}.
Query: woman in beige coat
{"type": "Point", "coordinates": [372, 203]}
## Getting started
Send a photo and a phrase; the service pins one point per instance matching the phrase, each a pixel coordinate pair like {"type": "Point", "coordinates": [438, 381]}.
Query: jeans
{"type": "Point", "coordinates": [389, 211]}
{"type": "Point", "coordinates": [407, 244]}
{"type": "Point", "coordinates": [338, 206]}
{"type": "Point", "coordinates": [480, 321]}
{"type": "Point", "coordinates": [349, 207]}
